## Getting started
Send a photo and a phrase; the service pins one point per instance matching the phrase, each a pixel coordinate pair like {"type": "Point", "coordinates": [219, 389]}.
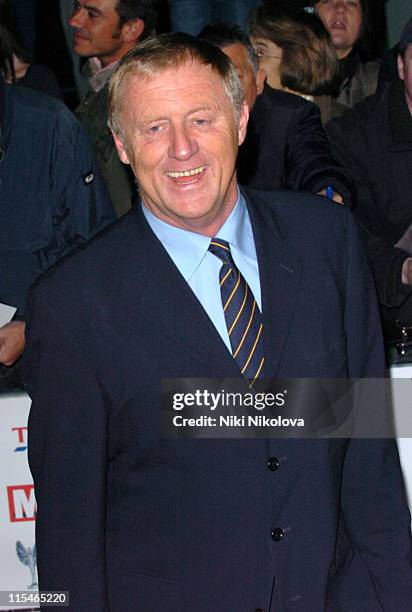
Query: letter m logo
{"type": "Point", "coordinates": [22, 503]}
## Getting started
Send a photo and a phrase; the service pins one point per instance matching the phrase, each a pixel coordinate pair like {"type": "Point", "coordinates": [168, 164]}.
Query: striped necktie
{"type": "Point", "coordinates": [242, 314]}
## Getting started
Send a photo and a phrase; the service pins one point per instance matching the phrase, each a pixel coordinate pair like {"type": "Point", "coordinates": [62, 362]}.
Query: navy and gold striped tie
{"type": "Point", "coordinates": [242, 314]}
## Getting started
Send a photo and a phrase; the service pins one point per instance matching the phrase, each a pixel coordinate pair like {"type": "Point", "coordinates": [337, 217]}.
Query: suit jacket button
{"type": "Point", "coordinates": [277, 534]}
{"type": "Point", "coordinates": [273, 464]}
{"type": "Point", "coordinates": [259, 610]}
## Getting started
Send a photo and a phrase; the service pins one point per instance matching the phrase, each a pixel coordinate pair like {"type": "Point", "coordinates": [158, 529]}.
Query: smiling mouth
{"type": "Point", "coordinates": [186, 173]}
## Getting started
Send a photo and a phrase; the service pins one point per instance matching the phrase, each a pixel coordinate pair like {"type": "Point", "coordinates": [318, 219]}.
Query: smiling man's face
{"type": "Point", "coordinates": [181, 137]}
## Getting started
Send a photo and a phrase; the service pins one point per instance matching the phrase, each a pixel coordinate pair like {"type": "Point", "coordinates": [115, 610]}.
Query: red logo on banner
{"type": "Point", "coordinates": [21, 438]}
{"type": "Point", "coordinates": [22, 503]}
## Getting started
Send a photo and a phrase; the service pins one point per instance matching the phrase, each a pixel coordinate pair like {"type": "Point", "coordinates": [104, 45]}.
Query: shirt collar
{"type": "Point", "coordinates": [188, 249]}
{"type": "Point", "coordinates": [97, 75]}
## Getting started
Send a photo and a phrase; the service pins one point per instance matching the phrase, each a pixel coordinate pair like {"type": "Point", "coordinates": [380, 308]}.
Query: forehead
{"type": "Point", "coordinates": [407, 56]}
{"type": "Point", "coordinates": [333, 3]}
{"type": "Point", "coordinates": [102, 6]}
{"type": "Point", "coordinates": [185, 84]}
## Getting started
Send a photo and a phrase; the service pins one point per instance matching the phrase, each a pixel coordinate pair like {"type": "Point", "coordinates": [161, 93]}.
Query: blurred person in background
{"type": "Point", "coordinates": [296, 53]}
{"type": "Point", "coordinates": [103, 32]}
{"type": "Point", "coordinates": [347, 23]}
{"type": "Point", "coordinates": [285, 145]}
{"type": "Point", "coordinates": [15, 62]}
{"type": "Point", "coordinates": [52, 198]}
{"type": "Point", "coordinates": [374, 141]}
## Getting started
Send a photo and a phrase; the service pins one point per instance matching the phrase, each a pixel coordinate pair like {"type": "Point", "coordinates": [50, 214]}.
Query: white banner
{"type": "Point", "coordinates": [17, 499]}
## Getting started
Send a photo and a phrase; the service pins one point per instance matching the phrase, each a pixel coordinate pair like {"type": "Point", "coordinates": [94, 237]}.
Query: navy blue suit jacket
{"type": "Point", "coordinates": [129, 522]}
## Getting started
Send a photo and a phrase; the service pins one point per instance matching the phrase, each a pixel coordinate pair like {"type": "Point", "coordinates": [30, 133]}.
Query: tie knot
{"type": "Point", "coordinates": [221, 249]}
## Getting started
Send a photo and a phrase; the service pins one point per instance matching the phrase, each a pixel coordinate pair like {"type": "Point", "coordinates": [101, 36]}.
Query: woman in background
{"type": "Point", "coordinates": [296, 53]}
{"type": "Point", "coordinates": [15, 63]}
{"type": "Point", "coordinates": [346, 22]}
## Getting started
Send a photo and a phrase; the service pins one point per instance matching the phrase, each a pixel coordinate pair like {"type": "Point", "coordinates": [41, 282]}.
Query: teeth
{"type": "Point", "coordinates": [186, 172]}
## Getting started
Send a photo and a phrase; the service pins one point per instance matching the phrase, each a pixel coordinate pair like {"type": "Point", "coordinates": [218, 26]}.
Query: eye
{"type": "Point", "coordinates": [201, 121]}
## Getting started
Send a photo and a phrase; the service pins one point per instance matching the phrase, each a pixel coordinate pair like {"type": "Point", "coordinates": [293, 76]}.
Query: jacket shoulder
{"type": "Point", "coordinates": [369, 111]}
{"type": "Point", "coordinates": [278, 98]}
{"type": "Point", "coordinates": [109, 248]}
{"type": "Point", "coordinates": [297, 211]}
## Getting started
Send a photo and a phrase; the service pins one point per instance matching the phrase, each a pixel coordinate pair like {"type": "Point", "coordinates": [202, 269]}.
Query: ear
{"type": "Point", "coordinates": [401, 67]}
{"type": "Point", "coordinates": [260, 80]}
{"type": "Point", "coordinates": [244, 117]}
{"type": "Point", "coordinates": [120, 148]}
{"type": "Point", "coordinates": [132, 30]}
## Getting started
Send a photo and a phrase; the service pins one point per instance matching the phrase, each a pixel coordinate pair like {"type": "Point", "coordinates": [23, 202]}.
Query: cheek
{"type": "Point", "coordinates": [272, 71]}
{"type": "Point", "coordinates": [268, 65]}
{"type": "Point", "coordinates": [325, 14]}
{"type": "Point", "coordinates": [147, 156]}
{"type": "Point", "coordinates": [356, 24]}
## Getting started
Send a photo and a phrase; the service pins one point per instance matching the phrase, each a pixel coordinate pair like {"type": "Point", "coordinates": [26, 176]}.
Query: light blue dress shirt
{"type": "Point", "coordinates": [200, 268]}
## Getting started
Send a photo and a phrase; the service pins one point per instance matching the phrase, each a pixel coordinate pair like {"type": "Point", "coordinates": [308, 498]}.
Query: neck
{"type": "Point", "coordinates": [342, 53]}
{"type": "Point", "coordinates": [106, 60]}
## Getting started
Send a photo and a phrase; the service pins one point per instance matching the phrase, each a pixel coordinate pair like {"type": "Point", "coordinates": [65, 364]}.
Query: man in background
{"type": "Point", "coordinates": [103, 32]}
{"type": "Point", "coordinates": [285, 145]}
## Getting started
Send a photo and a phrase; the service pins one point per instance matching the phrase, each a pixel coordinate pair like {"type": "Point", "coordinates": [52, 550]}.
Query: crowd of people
{"type": "Point", "coordinates": [303, 66]}
{"type": "Point", "coordinates": [145, 187]}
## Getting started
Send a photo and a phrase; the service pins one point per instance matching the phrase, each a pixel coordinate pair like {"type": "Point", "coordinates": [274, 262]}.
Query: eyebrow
{"type": "Point", "coordinates": [89, 7]}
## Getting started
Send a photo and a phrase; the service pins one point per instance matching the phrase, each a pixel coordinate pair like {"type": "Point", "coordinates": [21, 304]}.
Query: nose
{"type": "Point", "coordinates": [182, 145]}
{"type": "Point", "coordinates": [340, 6]}
{"type": "Point", "coordinates": [77, 18]}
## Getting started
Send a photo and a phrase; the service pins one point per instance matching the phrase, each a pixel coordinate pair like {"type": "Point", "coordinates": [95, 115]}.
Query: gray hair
{"type": "Point", "coordinates": [159, 53]}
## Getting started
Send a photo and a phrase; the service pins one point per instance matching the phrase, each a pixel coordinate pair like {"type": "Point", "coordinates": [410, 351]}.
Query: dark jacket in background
{"type": "Point", "coordinates": [389, 67]}
{"type": "Point", "coordinates": [359, 80]}
{"type": "Point", "coordinates": [287, 147]}
{"type": "Point", "coordinates": [375, 142]}
{"type": "Point", "coordinates": [52, 197]}
{"type": "Point", "coordinates": [92, 112]}
{"type": "Point", "coordinates": [42, 79]}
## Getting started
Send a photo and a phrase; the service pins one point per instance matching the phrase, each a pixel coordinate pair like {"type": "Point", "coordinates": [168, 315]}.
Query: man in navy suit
{"type": "Point", "coordinates": [130, 521]}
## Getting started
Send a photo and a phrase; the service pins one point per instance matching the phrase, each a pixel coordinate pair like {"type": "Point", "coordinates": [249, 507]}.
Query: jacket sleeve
{"type": "Point", "coordinates": [310, 165]}
{"type": "Point", "coordinates": [374, 511]}
{"type": "Point", "coordinates": [79, 201]}
{"type": "Point", "coordinates": [67, 457]}
{"type": "Point", "coordinates": [386, 262]}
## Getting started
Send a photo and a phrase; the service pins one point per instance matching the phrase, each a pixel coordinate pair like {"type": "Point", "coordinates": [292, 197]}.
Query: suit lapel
{"type": "Point", "coordinates": [280, 271]}
{"type": "Point", "coordinates": [169, 303]}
